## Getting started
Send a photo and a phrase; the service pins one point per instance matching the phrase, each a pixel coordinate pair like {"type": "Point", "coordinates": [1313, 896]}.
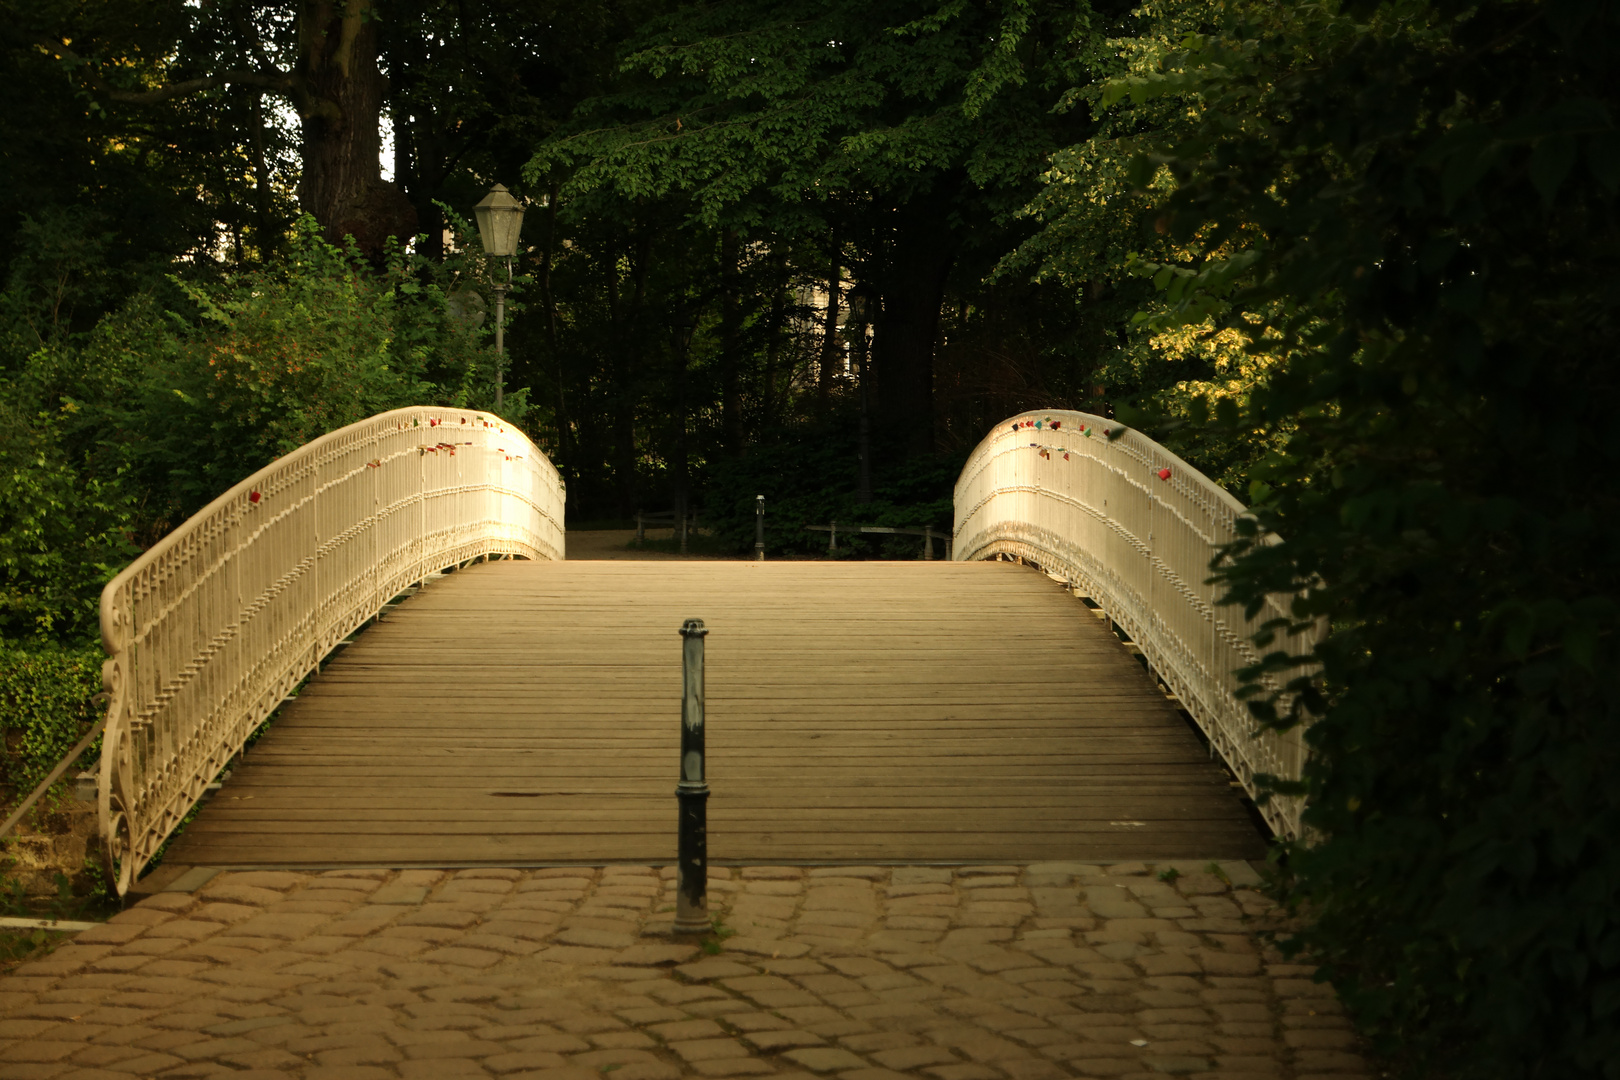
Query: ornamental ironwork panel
{"type": "Point", "coordinates": [1127, 523]}
{"type": "Point", "coordinates": [208, 632]}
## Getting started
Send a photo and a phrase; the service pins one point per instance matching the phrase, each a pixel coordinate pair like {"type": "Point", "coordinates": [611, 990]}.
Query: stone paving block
{"type": "Point", "coordinates": [709, 1010]}
{"type": "Point", "coordinates": [825, 1059]}
{"type": "Point", "coordinates": [650, 1014]}
{"type": "Point", "coordinates": [620, 1040]}
{"type": "Point", "coordinates": [871, 1041]}
{"type": "Point", "coordinates": [651, 954]}
{"type": "Point", "coordinates": [685, 1030]}
{"type": "Point", "coordinates": [696, 1050]}
{"type": "Point", "coordinates": [965, 1070]}
{"type": "Point", "coordinates": [577, 955]}
{"type": "Point", "coordinates": [913, 875]}
{"type": "Point", "coordinates": [724, 1067]}
{"type": "Point", "coordinates": [1032, 1069]}
{"type": "Point", "coordinates": [1327, 1061]}
{"type": "Point", "coordinates": [870, 873]}
{"type": "Point", "coordinates": [556, 1042]}
{"type": "Point", "coordinates": [790, 1038]}
{"type": "Point", "coordinates": [149, 1062]}
{"type": "Point", "coordinates": [588, 1023]}
{"type": "Point", "coordinates": [400, 894]}
{"type": "Point", "coordinates": [111, 934]}
{"type": "Point", "coordinates": [224, 889]}
{"type": "Point", "coordinates": [523, 1061]}
{"type": "Point", "coordinates": [1178, 1064]}
{"type": "Point", "coordinates": [914, 1057]}
{"type": "Point", "coordinates": [714, 967]}
{"type": "Point", "coordinates": [758, 946]}
{"type": "Point", "coordinates": [1221, 962]}
{"type": "Point", "coordinates": [1301, 988]}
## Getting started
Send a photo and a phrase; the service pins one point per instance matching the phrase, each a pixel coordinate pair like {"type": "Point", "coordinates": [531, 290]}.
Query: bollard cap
{"type": "Point", "coordinates": [693, 628]}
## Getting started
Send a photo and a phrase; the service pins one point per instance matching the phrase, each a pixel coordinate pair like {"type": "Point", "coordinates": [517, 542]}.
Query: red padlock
{"type": "Point", "coordinates": [1164, 474]}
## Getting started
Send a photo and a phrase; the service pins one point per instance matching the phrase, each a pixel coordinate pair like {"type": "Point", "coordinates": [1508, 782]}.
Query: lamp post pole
{"type": "Point", "coordinates": [499, 289]}
{"type": "Point", "coordinates": [500, 217]}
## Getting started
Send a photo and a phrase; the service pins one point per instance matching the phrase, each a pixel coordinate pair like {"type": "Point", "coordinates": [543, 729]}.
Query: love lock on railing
{"type": "Point", "coordinates": [692, 853]}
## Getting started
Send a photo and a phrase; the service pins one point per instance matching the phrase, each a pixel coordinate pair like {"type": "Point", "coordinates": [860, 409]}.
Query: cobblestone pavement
{"type": "Point", "coordinates": [967, 973]}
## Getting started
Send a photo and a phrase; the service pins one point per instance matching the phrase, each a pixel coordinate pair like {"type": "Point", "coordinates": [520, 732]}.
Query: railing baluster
{"type": "Point", "coordinates": [211, 628]}
{"type": "Point", "coordinates": [1102, 512]}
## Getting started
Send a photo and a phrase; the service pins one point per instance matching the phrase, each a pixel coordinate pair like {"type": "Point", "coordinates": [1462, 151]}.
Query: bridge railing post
{"type": "Point", "coordinates": [692, 849]}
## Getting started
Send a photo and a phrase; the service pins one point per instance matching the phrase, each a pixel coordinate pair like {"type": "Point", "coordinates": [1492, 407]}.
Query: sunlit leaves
{"type": "Point", "coordinates": [1427, 194]}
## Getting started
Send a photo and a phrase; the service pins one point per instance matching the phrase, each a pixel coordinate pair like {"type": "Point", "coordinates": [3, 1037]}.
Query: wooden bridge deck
{"type": "Point", "coordinates": [522, 713]}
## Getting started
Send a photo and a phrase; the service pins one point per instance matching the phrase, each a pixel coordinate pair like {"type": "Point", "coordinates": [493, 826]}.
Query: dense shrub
{"type": "Point", "coordinates": [46, 698]}
{"type": "Point", "coordinates": [1410, 209]}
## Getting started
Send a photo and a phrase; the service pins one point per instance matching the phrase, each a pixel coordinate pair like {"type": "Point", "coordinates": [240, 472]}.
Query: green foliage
{"type": "Point", "coordinates": [276, 357]}
{"type": "Point", "coordinates": [1408, 209]}
{"type": "Point", "coordinates": [18, 945]}
{"type": "Point", "coordinates": [740, 99]}
{"type": "Point", "coordinates": [63, 534]}
{"type": "Point", "coordinates": [110, 437]}
{"type": "Point", "coordinates": [45, 697]}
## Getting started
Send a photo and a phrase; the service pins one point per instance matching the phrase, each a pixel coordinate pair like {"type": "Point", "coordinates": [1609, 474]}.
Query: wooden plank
{"type": "Point", "coordinates": [525, 713]}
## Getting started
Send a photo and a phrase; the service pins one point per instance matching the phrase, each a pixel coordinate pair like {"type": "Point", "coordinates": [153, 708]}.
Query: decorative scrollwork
{"type": "Point", "coordinates": [245, 598]}
{"type": "Point", "coordinates": [1138, 529]}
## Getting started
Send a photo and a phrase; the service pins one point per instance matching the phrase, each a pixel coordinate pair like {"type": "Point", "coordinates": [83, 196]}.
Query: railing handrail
{"type": "Point", "coordinates": [246, 487]}
{"type": "Point", "coordinates": [1145, 560]}
{"type": "Point", "coordinates": [208, 630]}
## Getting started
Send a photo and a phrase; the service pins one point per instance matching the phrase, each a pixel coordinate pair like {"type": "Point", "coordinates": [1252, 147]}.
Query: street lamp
{"type": "Point", "coordinates": [500, 217]}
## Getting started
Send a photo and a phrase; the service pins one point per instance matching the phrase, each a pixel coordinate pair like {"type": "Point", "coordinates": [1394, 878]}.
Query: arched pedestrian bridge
{"type": "Point", "coordinates": [522, 709]}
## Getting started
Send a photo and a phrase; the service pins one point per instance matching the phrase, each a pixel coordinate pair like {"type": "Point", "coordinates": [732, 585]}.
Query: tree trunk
{"type": "Point", "coordinates": [731, 427]}
{"type": "Point", "coordinates": [773, 345]}
{"type": "Point", "coordinates": [564, 453]}
{"type": "Point", "coordinates": [341, 183]}
{"type": "Point", "coordinates": [860, 307]}
{"type": "Point", "coordinates": [624, 395]}
{"type": "Point", "coordinates": [920, 254]}
{"type": "Point", "coordinates": [265, 235]}
{"type": "Point", "coordinates": [829, 334]}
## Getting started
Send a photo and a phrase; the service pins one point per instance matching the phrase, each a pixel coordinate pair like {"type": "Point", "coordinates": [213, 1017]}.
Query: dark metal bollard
{"type": "Point", "coordinates": [692, 860]}
{"type": "Point", "coordinates": [759, 528]}
{"type": "Point", "coordinates": [832, 539]}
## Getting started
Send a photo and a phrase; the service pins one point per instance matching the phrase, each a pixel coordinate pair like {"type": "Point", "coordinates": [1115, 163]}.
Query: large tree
{"type": "Point", "coordinates": [321, 56]}
{"type": "Point", "coordinates": [912, 131]}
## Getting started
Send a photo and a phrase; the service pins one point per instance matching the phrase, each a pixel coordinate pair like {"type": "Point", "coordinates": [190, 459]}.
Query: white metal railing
{"type": "Point", "coordinates": [1129, 524]}
{"type": "Point", "coordinates": [208, 631]}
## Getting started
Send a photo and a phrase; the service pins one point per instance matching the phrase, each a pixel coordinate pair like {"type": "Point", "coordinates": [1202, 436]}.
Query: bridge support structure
{"type": "Point", "coordinates": [209, 631]}
{"type": "Point", "coordinates": [1118, 518]}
